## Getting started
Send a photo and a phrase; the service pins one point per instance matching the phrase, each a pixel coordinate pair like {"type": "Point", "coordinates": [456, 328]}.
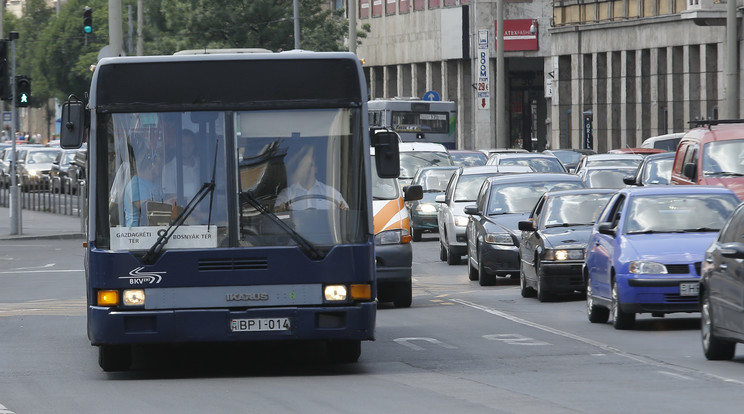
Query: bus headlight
{"type": "Point", "coordinates": [335, 293]}
{"type": "Point", "coordinates": [134, 297]}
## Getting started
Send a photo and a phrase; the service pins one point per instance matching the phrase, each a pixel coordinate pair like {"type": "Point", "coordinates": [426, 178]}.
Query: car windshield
{"type": "Point", "coordinates": [41, 157]}
{"type": "Point", "coordinates": [521, 197]}
{"type": "Point", "coordinates": [614, 162]}
{"type": "Point", "coordinates": [573, 209]}
{"type": "Point", "coordinates": [468, 186]}
{"type": "Point", "coordinates": [724, 157]}
{"type": "Point", "coordinates": [568, 157]}
{"type": "Point", "coordinates": [466, 159]}
{"type": "Point", "coordinates": [434, 181]}
{"type": "Point", "coordinates": [658, 171]}
{"type": "Point", "coordinates": [606, 178]}
{"type": "Point", "coordinates": [537, 164]}
{"type": "Point", "coordinates": [411, 161]}
{"type": "Point", "coordinates": [679, 213]}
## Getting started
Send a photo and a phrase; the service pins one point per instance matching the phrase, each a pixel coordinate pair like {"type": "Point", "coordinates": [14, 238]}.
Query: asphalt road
{"type": "Point", "coordinates": [459, 348]}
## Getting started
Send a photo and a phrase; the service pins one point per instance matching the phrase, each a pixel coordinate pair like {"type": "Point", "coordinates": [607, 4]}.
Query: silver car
{"type": "Point", "coordinates": [462, 190]}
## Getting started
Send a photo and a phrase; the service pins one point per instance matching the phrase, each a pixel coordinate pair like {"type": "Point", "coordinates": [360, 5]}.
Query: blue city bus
{"type": "Point", "coordinates": [229, 201]}
{"type": "Point", "coordinates": [416, 120]}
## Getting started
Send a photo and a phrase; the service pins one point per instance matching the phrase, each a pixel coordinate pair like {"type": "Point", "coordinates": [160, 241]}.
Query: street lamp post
{"type": "Point", "coordinates": [502, 135]}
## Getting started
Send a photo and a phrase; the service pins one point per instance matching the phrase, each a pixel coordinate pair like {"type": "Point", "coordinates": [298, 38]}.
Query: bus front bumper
{"type": "Point", "coordinates": [107, 326]}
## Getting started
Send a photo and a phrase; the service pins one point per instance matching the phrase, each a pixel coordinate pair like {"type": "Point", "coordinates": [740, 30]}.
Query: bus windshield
{"type": "Point", "coordinates": [292, 176]}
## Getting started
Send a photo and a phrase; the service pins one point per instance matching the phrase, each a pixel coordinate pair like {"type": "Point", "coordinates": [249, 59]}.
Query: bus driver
{"type": "Point", "coordinates": [305, 191]}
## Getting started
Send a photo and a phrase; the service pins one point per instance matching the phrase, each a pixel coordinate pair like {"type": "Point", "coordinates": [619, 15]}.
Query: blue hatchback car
{"type": "Point", "coordinates": [646, 248]}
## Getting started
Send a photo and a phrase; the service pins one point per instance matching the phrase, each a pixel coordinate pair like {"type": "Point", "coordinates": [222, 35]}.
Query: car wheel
{"type": "Point", "coordinates": [415, 234]}
{"type": "Point", "coordinates": [472, 270]}
{"type": "Point", "coordinates": [524, 290]}
{"type": "Point", "coordinates": [403, 295]}
{"type": "Point", "coordinates": [542, 294]}
{"type": "Point", "coordinates": [620, 319]}
{"type": "Point", "coordinates": [344, 351]}
{"type": "Point", "coordinates": [484, 279]}
{"type": "Point", "coordinates": [596, 314]}
{"type": "Point", "coordinates": [452, 259]}
{"type": "Point", "coordinates": [714, 348]}
{"type": "Point", "coordinates": [114, 357]}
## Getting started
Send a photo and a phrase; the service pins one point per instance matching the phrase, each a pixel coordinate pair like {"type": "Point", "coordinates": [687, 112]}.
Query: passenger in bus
{"type": "Point", "coordinates": [142, 187]}
{"type": "Point", "coordinates": [190, 172]}
{"type": "Point", "coordinates": [305, 191]}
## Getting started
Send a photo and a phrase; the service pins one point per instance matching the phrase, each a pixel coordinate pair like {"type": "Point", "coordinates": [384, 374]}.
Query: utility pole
{"type": "Point", "coordinates": [15, 200]}
{"type": "Point", "coordinates": [297, 24]}
{"type": "Point", "coordinates": [115, 29]}
{"type": "Point", "coordinates": [352, 25]}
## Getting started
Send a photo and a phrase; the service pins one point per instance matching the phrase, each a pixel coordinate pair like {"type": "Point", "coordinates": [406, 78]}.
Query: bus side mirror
{"type": "Point", "coordinates": [387, 155]}
{"type": "Point", "coordinates": [73, 124]}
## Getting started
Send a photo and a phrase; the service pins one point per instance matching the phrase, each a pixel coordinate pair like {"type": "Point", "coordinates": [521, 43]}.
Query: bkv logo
{"type": "Point", "coordinates": [140, 278]}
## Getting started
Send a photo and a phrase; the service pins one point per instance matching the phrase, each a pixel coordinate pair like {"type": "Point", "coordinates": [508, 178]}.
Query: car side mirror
{"type": "Point", "coordinates": [629, 180]}
{"type": "Point", "coordinates": [440, 198]}
{"type": "Point", "coordinates": [733, 250]}
{"type": "Point", "coordinates": [526, 225]}
{"type": "Point", "coordinates": [413, 192]}
{"type": "Point", "coordinates": [606, 228]}
{"type": "Point", "coordinates": [471, 210]}
{"type": "Point", "coordinates": [689, 170]}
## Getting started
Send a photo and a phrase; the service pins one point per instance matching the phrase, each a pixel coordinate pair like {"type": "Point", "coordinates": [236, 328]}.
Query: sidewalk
{"type": "Point", "coordinates": [40, 225]}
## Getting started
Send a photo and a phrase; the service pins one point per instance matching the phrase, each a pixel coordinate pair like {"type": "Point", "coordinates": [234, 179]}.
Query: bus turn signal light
{"type": "Point", "coordinates": [361, 292]}
{"type": "Point", "coordinates": [108, 297]}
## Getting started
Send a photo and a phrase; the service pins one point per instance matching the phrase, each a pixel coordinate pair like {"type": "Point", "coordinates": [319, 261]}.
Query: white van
{"type": "Point", "coordinates": [415, 155]}
{"type": "Point", "coordinates": [667, 142]}
{"type": "Point", "coordinates": [392, 226]}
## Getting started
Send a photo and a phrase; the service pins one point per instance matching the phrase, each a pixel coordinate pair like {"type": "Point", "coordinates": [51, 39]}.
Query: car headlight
{"type": "Point", "coordinates": [461, 221]}
{"type": "Point", "coordinates": [396, 236]}
{"type": "Point", "coordinates": [499, 238]}
{"type": "Point", "coordinates": [426, 208]}
{"type": "Point", "coordinates": [564, 254]}
{"type": "Point", "coordinates": [33, 173]}
{"type": "Point", "coordinates": [642, 267]}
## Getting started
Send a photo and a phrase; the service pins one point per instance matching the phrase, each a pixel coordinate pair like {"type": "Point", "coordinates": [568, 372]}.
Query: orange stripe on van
{"type": "Point", "coordinates": [387, 213]}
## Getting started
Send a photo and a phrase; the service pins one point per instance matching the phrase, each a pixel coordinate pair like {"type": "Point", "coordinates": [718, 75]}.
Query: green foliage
{"type": "Point", "coordinates": [57, 55]}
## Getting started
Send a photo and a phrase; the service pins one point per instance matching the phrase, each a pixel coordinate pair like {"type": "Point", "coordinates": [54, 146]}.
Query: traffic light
{"type": "Point", "coordinates": [87, 20]}
{"type": "Point", "coordinates": [23, 91]}
{"type": "Point", "coordinates": [4, 85]}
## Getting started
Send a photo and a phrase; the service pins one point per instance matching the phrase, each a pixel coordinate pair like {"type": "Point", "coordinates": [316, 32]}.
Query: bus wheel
{"type": "Point", "coordinates": [403, 295]}
{"type": "Point", "coordinates": [114, 357]}
{"type": "Point", "coordinates": [344, 352]}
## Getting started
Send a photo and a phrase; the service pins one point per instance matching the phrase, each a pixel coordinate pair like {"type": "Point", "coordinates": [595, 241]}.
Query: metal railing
{"type": "Point", "coordinates": [55, 195]}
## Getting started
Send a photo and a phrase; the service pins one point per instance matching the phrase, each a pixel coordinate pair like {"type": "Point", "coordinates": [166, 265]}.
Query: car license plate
{"type": "Point", "coordinates": [258, 325]}
{"type": "Point", "coordinates": [689, 289]}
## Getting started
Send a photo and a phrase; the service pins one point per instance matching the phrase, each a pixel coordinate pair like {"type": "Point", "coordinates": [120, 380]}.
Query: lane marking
{"type": "Point", "coordinates": [407, 342]}
{"type": "Point", "coordinates": [4, 410]}
{"type": "Point", "coordinates": [638, 358]}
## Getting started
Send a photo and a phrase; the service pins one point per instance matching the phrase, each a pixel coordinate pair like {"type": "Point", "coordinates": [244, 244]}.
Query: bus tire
{"type": "Point", "coordinates": [114, 357]}
{"type": "Point", "coordinates": [344, 351]}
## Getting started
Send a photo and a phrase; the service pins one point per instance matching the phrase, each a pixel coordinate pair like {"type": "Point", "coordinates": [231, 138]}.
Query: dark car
{"type": "Point", "coordinates": [461, 191]}
{"type": "Point", "coordinates": [554, 239]}
{"type": "Point", "coordinates": [539, 162]}
{"type": "Point", "coordinates": [58, 173]}
{"type": "Point", "coordinates": [493, 236]}
{"type": "Point", "coordinates": [423, 213]}
{"type": "Point", "coordinates": [722, 290]}
{"type": "Point", "coordinates": [468, 158]}
{"type": "Point", "coordinates": [646, 248]}
{"type": "Point", "coordinates": [569, 157]}
{"type": "Point", "coordinates": [656, 169]}
{"type": "Point", "coordinates": [78, 167]}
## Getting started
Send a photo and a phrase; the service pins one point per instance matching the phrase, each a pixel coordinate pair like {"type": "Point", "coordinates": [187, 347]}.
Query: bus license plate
{"type": "Point", "coordinates": [258, 325]}
{"type": "Point", "coordinates": [689, 289]}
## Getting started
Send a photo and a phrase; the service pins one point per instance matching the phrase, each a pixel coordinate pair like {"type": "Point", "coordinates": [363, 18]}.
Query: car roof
{"type": "Point", "coordinates": [649, 142]}
{"type": "Point", "coordinates": [523, 178]}
{"type": "Point", "coordinates": [716, 132]}
{"type": "Point", "coordinates": [421, 146]}
{"type": "Point", "coordinates": [668, 154]}
{"type": "Point", "coordinates": [493, 169]}
{"type": "Point", "coordinates": [612, 156]}
{"type": "Point", "coordinates": [524, 155]}
{"type": "Point", "coordinates": [675, 189]}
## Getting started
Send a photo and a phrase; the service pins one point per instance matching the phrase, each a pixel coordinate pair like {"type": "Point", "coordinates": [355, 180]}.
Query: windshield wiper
{"type": "Point", "coordinates": [701, 230]}
{"type": "Point", "coordinates": [723, 174]}
{"type": "Point", "coordinates": [308, 248]}
{"type": "Point", "coordinates": [567, 225]}
{"type": "Point", "coordinates": [164, 235]}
